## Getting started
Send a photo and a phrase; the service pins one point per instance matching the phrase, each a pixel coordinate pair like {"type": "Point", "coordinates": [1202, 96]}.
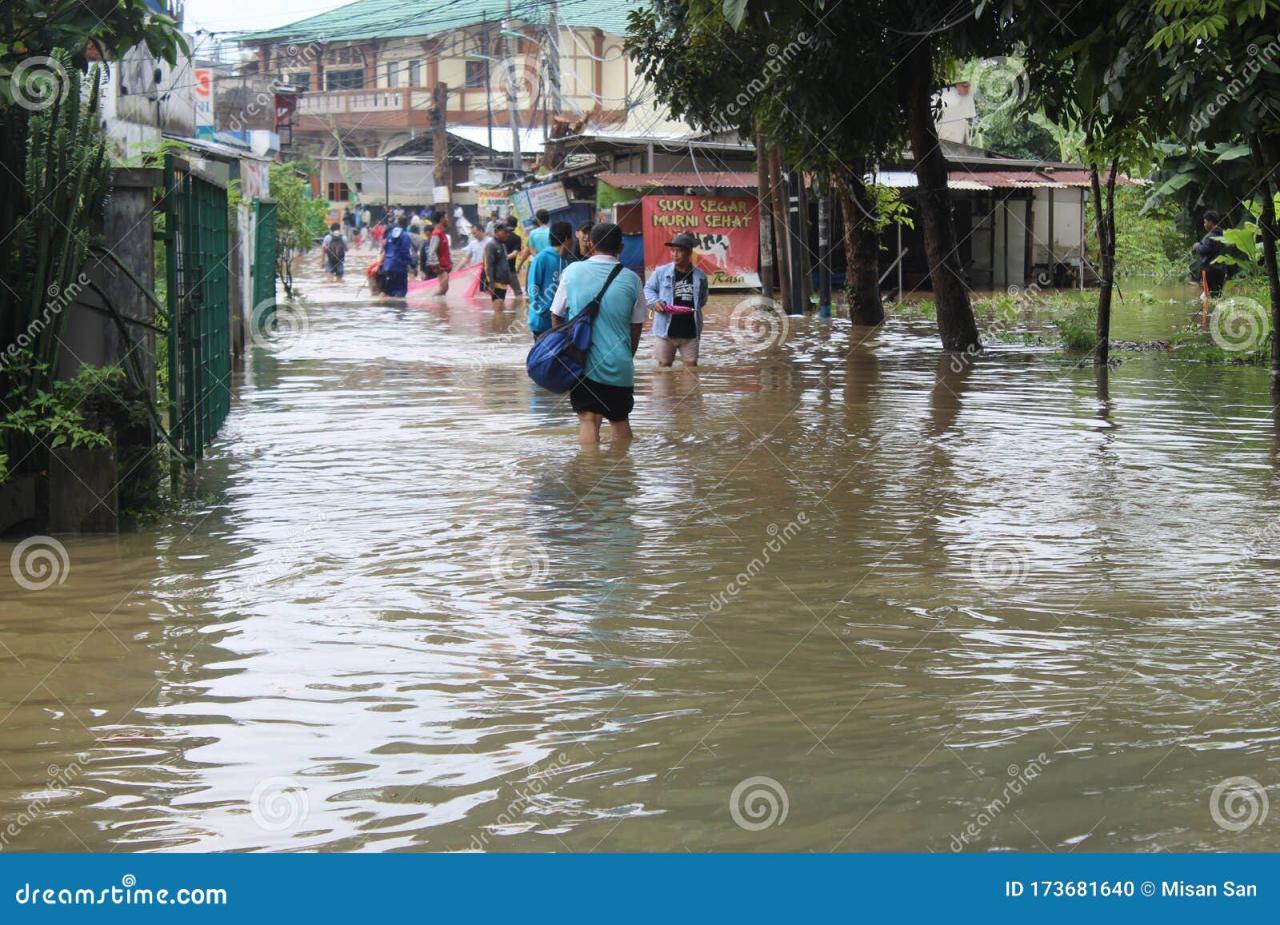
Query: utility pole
{"type": "Point", "coordinates": [553, 60]}
{"type": "Point", "coordinates": [513, 111]}
{"type": "Point", "coordinates": [440, 140]}
{"type": "Point", "coordinates": [488, 81]}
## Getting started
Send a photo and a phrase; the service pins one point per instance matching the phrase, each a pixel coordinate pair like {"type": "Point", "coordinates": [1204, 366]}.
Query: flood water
{"type": "Point", "coordinates": [838, 595]}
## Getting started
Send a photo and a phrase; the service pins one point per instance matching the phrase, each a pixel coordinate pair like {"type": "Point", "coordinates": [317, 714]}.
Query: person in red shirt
{"type": "Point", "coordinates": [436, 262]}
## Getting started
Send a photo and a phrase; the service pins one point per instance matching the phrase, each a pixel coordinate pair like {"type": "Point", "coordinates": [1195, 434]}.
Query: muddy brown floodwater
{"type": "Point", "coordinates": [837, 596]}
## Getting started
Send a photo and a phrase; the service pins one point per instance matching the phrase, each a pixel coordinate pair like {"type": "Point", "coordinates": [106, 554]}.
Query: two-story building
{"type": "Point", "coordinates": [366, 73]}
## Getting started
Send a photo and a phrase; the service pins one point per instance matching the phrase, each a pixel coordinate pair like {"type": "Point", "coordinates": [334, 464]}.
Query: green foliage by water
{"type": "Point", "coordinates": [300, 219]}
{"type": "Point", "coordinates": [60, 413]}
{"type": "Point", "coordinates": [1149, 239]}
{"type": "Point", "coordinates": [1078, 328]}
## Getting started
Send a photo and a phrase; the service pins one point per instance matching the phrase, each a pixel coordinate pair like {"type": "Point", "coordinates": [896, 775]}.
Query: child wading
{"type": "Point", "coordinates": [607, 390]}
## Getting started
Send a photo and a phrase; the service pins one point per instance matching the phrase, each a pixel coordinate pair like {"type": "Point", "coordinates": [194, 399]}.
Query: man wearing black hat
{"type": "Point", "coordinates": [677, 293]}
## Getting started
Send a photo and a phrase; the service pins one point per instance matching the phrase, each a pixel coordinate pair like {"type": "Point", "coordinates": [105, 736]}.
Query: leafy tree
{"type": "Point", "coordinates": [863, 86]}
{"type": "Point", "coordinates": [1094, 75]}
{"type": "Point", "coordinates": [299, 219]}
{"type": "Point", "coordinates": [1225, 89]}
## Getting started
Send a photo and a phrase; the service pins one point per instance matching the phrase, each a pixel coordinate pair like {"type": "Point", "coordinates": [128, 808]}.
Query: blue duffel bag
{"type": "Point", "coordinates": [558, 357]}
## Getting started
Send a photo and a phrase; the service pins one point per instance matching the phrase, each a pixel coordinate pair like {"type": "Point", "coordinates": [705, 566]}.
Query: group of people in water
{"type": "Point", "coordinates": [568, 269]}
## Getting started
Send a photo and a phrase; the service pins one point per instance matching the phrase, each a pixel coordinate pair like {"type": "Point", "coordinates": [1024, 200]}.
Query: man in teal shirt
{"type": "Point", "coordinates": [540, 236]}
{"type": "Point", "coordinates": [607, 389]}
{"type": "Point", "coordinates": [544, 276]}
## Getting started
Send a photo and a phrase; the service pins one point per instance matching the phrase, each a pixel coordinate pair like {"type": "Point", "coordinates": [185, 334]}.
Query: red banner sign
{"type": "Point", "coordinates": [728, 237]}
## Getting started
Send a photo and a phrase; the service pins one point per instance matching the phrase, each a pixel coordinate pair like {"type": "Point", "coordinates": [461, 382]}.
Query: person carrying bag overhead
{"type": "Point", "coordinates": [598, 314]}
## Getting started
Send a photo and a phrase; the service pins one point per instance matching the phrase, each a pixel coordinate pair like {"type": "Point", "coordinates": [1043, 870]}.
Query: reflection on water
{"type": "Point", "coordinates": [414, 615]}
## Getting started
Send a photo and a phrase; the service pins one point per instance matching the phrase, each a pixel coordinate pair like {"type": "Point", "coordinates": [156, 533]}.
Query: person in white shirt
{"type": "Point", "coordinates": [473, 253]}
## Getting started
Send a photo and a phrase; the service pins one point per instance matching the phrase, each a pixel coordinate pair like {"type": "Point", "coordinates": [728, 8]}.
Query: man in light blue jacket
{"type": "Point", "coordinates": [677, 293]}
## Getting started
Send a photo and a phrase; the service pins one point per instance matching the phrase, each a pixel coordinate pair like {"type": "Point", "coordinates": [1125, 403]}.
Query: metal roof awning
{"type": "Point", "coordinates": [706, 179]}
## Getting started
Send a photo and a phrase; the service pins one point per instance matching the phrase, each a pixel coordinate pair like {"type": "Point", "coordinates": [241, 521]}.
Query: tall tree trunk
{"type": "Point", "coordinates": [862, 252]}
{"type": "Point", "coordinates": [777, 193]}
{"type": "Point", "coordinates": [956, 324]}
{"type": "Point", "coordinates": [1267, 226]}
{"type": "Point", "coordinates": [764, 215]}
{"type": "Point", "coordinates": [1104, 207]}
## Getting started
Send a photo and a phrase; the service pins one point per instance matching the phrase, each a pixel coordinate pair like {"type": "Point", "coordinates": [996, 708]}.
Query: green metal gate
{"type": "Point", "coordinates": [264, 264]}
{"type": "Point", "coordinates": [199, 308]}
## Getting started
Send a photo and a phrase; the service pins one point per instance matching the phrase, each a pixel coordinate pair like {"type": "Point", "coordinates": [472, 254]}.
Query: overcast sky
{"type": "Point", "coordinates": [236, 15]}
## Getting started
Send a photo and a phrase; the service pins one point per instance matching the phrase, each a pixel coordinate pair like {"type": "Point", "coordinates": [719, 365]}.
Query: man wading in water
{"type": "Point", "coordinates": [607, 390]}
{"type": "Point", "coordinates": [497, 266]}
{"type": "Point", "coordinates": [544, 276]}
{"type": "Point", "coordinates": [677, 291]}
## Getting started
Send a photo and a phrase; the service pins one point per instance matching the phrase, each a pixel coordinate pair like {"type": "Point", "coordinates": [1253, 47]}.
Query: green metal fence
{"type": "Point", "coordinates": [264, 264]}
{"type": "Point", "coordinates": [199, 308]}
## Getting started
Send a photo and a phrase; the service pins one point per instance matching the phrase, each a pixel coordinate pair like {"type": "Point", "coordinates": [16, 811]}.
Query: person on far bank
{"type": "Point", "coordinates": [496, 275]}
{"type": "Point", "coordinates": [397, 260]}
{"type": "Point", "coordinates": [540, 236]}
{"type": "Point", "coordinates": [607, 389]}
{"type": "Point", "coordinates": [544, 275]}
{"type": "Point", "coordinates": [1213, 276]}
{"type": "Point", "coordinates": [436, 262]}
{"type": "Point", "coordinates": [677, 292]}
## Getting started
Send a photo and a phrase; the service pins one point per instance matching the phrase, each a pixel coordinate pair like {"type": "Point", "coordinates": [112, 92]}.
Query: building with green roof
{"type": "Point", "coordinates": [365, 72]}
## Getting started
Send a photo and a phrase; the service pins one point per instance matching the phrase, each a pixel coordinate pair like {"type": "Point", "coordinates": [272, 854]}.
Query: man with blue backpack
{"type": "Point", "coordinates": [544, 275]}
{"type": "Point", "coordinates": [397, 259]}
{"type": "Point", "coordinates": [606, 390]}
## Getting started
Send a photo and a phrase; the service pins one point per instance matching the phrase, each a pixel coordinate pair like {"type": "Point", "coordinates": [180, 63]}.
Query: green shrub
{"type": "Point", "coordinates": [1078, 328]}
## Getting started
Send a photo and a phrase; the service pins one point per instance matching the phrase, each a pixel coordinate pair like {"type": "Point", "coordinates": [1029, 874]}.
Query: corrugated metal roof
{"type": "Point", "coordinates": [906, 179]}
{"type": "Point", "coordinates": [706, 179]}
{"type": "Point", "coordinates": [386, 19]}
{"type": "Point", "coordinates": [530, 138]}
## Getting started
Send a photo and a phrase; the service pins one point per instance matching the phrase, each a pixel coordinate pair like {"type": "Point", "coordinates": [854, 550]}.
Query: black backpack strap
{"type": "Point", "coordinates": [594, 305]}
